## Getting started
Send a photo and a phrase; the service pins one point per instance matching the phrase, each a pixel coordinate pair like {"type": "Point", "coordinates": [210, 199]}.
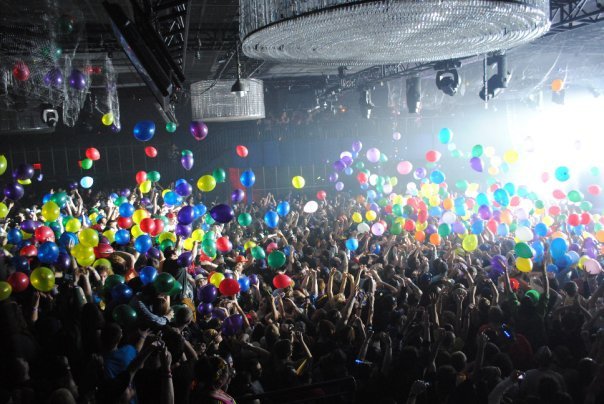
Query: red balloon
{"type": "Point", "coordinates": [44, 233]}
{"type": "Point", "coordinates": [433, 156]}
{"type": "Point", "coordinates": [573, 219]}
{"type": "Point", "coordinates": [585, 218]}
{"type": "Point", "coordinates": [409, 225]}
{"type": "Point", "coordinates": [18, 281]}
{"type": "Point", "coordinates": [362, 178]}
{"type": "Point", "coordinates": [141, 176]}
{"type": "Point", "coordinates": [147, 225]}
{"type": "Point", "coordinates": [103, 251]}
{"type": "Point", "coordinates": [422, 216]}
{"type": "Point", "coordinates": [93, 154]}
{"type": "Point", "coordinates": [321, 195]}
{"type": "Point", "coordinates": [229, 287]}
{"type": "Point", "coordinates": [151, 151]}
{"type": "Point", "coordinates": [271, 247]}
{"type": "Point", "coordinates": [29, 251]}
{"type": "Point", "coordinates": [492, 226]}
{"type": "Point", "coordinates": [515, 201]}
{"type": "Point", "coordinates": [242, 151]}
{"type": "Point", "coordinates": [554, 210]}
{"type": "Point", "coordinates": [21, 71]}
{"type": "Point", "coordinates": [124, 222]}
{"type": "Point", "coordinates": [223, 244]}
{"type": "Point", "coordinates": [159, 227]}
{"type": "Point", "coordinates": [514, 284]}
{"type": "Point", "coordinates": [388, 209]}
{"type": "Point", "coordinates": [594, 189]}
{"type": "Point", "coordinates": [281, 281]}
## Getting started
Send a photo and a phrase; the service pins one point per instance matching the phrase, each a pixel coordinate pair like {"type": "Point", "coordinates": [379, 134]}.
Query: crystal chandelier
{"type": "Point", "coordinates": [347, 32]}
{"type": "Point", "coordinates": [216, 101]}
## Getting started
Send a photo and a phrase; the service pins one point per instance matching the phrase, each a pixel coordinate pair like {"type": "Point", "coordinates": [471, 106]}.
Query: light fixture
{"type": "Point", "coordinates": [366, 104]}
{"type": "Point", "coordinates": [414, 94]}
{"type": "Point", "coordinates": [240, 88]}
{"type": "Point", "coordinates": [498, 81]}
{"type": "Point", "coordinates": [447, 77]}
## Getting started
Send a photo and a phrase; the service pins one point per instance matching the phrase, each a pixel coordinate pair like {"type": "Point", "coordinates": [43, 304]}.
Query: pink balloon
{"type": "Point", "coordinates": [271, 247]}
{"type": "Point", "coordinates": [594, 189]}
{"type": "Point", "coordinates": [378, 229]}
{"type": "Point", "coordinates": [433, 156]}
{"type": "Point", "coordinates": [545, 177]}
{"type": "Point", "coordinates": [404, 167]}
{"type": "Point", "coordinates": [558, 194]}
{"type": "Point", "coordinates": [373, 155]}
{"type": "Point", "coordinates": [592, 266]}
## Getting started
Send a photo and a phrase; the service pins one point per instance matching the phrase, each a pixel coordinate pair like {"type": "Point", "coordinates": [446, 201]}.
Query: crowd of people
{"type": "Point", "coordinates": [175, 321]}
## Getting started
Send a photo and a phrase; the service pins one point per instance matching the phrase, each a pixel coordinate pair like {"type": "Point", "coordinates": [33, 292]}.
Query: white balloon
{"type": "Point", "coordinates": [449, 217]}
{"type": "Point", "coordinates": [523, 233]}
{"type": "Point", "coordinates": [378, 229]}
{"type": "Point", "coordinates": [311, 207]}
{"type": "Point", "coordinates": [592, 266]}
{"type": "Point", "coordinates": [363, 228]}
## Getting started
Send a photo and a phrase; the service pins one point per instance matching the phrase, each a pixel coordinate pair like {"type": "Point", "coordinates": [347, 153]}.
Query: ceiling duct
{"type": "Point", "coordinates": [362, 32]}
{"type": "Point", "coordinates": [214, 101]}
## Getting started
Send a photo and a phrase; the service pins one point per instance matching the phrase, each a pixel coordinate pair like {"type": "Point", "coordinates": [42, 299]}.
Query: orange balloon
{"type": "Point", "coordinates": [600, 236]}
{"type": "Point", "coordinates": [557, 85]}
{"type": "Point", "coordinates": [506, 217]}
{"type": "Point", "coordinates": [448, 204]}
{"type": "Point", "coordinates": [420, 236]}
{"type": "Point", "coordinates": [435, 238]}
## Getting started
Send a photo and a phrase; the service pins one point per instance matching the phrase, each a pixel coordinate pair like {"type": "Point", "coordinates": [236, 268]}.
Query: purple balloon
{"type": "Point", "coordinates": [232, 325]}
{"type": "Point", "coordinates": [253, 279]}
{"type": "Point", "coordinates": [183, 230]}
{"type": "Point", "coordinates": [339, 165]}
{"type": "Point", "coordinates": [228, 275]}
{"type": "Point", "coordinates": [54, 77]}
{"type": "Point", "coordinates": [146, 201]}
{"type": "Point", "coordinates": [374, 207]}
{"type": "Point", "coordinates": [499, 262]}
{"type": "Point", "coordinates": [476, 164]}
{"type": "Point", "coordinates": [185, 259]}
{"type": "Point", "coordinates": [219, 314]}
{"type": "Point", "coordinates": [589, 242]}
{"type": "Point", "coordinates": [484, 212]}
{"type": "Point", "coordinates": [237, 195]}
{"type": "Point", "coordinates": [187, 161]}
{"type": "Point", "coordinates": [431, 229]}
{"type": "Point", "coordinates": [333, 177]}
{"type": "Point", "coordinates": [24, 172]}
{"type": "Point", "coordinates": [207, 293]}
{"type": "Point", "coordinates": [591, 252]}
{"type": "Point", "coordinates": [347, 160]}
{"type": "Point", "coordinates": [77, 80]}
{"type": "Point", "coordinates": [574, 247]}
{"type": "Point", "coordinates": [205, 309]}
{"type": "Point", "coordinates": [63, 261]}
{"type": "Point", "coordinates": [222, 213]}
{"type": "Point", "coordinates": [357, 146]}
{"type": "Point", "coordinates": [199, 130]}
{"type": "Point", "coordinates": [153, 253]}
{"type": "Point", "coordinates": [458, 228]}
{"type": "Point", "coordinates": [419, 173]}
{"type": "Point", "coordinates": [115, 128]}
{"type": "Point", "coordinates": [125, 192]}
{"type": "Point", "coordinates": [29, 226]}
{"type": "Point", "coordinates": [339, 186]}
{"type": "Point", "coordinates": [183, 188]}
{"type": "Point", "coordinates": [72, 186]}
{"type": "Point", "coordinates": [14, 191]}
{"type": "Point", "coordinates": [186, 215]}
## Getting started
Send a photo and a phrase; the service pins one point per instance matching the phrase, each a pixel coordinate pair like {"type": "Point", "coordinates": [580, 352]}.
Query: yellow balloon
{"type": "Point", "coordinates": [434, 200]}
{"type": "Point", "coordinates": [393, 181]}
{"type": "Point", "coordinates": [89, 238]}
{"type": "Point", "coordinates": [216, 278]}
{"type": "Point", "coordinates": [167, 236]}
{"type": "Point", "coordinates": [249, 244]}
{"type": "Point", "coordinates": [110, 235]}
{"type": "Point", "coordinates": [164, 192]}
{"type": "Point", "coordinates": [470, 242]}
{"type": "Point", "coordinates": [356, 217]}
{"type": "Point", "coordinates": [4, 210]}
{"type": "Point", "coordinates": [298, 182]}
{"type": "Point", "coordinates": [421, 226]}
{"type": "Point", "coordinates": [188, 244]}
{"type": "Point", "coordinates": [86, 261]}
{"type": "Point", "coordinates": [510, 156]}
{"type": "Point", "coordinates": [81, 251]}
{"type": "Point", "coordinates": [145, 186]}
{"type": "Point", "coordinates": [398, 200]}
{"type": "Point", "coordinates": [93, 217]}
{"type": "Point", "coordinates": [197, 235]}
{"type": "Point", "coordinates": [107, 119]}
{"type": "Point", "coordinates": [206, 183]}
{"type": "Point", "coordinates": [548, 220]}
{"type": "Point", "coordinates": [73, 225]}
{"type": "Point", "coordinates": [524, 264]}
{"type": "Point", "coordinates": [102, 262]}
{"type": "Point", "coordinates": [139, 215]}
{"type": "Point", "coordinates": [370, 215]}
{"type": "Point", "coordinates": [24, 182]}
{"type": "Point", "coordinates": [136, 231]}
{"type": "Point", "coordinates": [3, 164]}
{"type": "Point", "coordinates": [582, 260]}
{"type": "Point", "coordinates": [26, 236]}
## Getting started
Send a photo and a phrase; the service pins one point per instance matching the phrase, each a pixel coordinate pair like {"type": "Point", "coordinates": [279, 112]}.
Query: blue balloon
{"type": "Point", "coordinates": [147, 275]}
{"type": "Point", "coordinates": [183, 188]}
{"type": "Point", "coordinates": [121, 293]}
{"type": "Point", "coordinates": [271, 218]}
{"type": "Point", "coordinates": [435, 211]}
{"type": "Point", "coordinates": [563, 261]}
{"type": "Point", "coordinates": [348, 170]}
{"type": "Point", "coordinates": [510, 188]}
{"type": "Point", "coordinates": [502, 197]}
{"type": "Point", "coordinates": [68, 240]}
{"type": "Point", "coordinates": [558, 247]}
{"type": "Point", "coordinates": [437, 177]}
{"type": "Point", "coordinates": [287, 250]}
{"type": "Point", "coordinates": [21, 263]}
{"type": "Point", "coordinates": [46, 198]}
{"type": "Point", "coordinates": [172, 198]}
{"type": "Point", "coordinates": [352, 244]}
{"type": "Point", "coordinates": [126, 209]}
{"type": "Point", "coordinates": [377, 249]}
{"type": "Point", "coordinates": [122, 237]}
{"type": "Point", "coordinates": [371, 195]}
{"type": "Point", "coordinates": [143, 243]}
{"type": "Point", "coordinates": [14, 236]}
{"type": "Point", "coordinates": [478, 226]}
{"type": "Point", "coordinates": [201, 208]}
{"type": "Point", "coordinates": [244, 283]}
{"type": "Point", "coordinates": [574, 257]}
{"type": "Point", "coordinates": [48, 252]}
{"type": "Point", "coordinates": [283, 208]}
{"type": "Point", "coordinates": [552, 268]}
{"type": "Point", "coordinates": [248, 178]}
{"type": "Point", "coordinates": [541, 230]}
{"type": "Point", "coordinates": [144, 130]}
{"type": "Point", "coordinates": [482, 199]}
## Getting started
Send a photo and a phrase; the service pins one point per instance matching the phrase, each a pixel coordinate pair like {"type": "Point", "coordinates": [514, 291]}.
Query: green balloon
{"type": "Point", "coordinates": [586, 206]}
{"type": "Point", "coordinates": [276, 259]}
{"type": "Point", "coordinates": [153, 176]}
{"type": "Point", "coordinates": [539, 204]}
{"type": "Point", "coordinates": [209, 219]}
{"type": "Point", "coordinates": [462, 185]}
{"type": "Point", "coordinates": [456, 154]}
{"type": "Point", "coordinates": [164, 282]}
{"type": "Point", "coordinates": [359, 165]}
{"type": "Point", "coordinates": [166, 244]}
{"type": "Point", "coordinates": [258, 253]}
{"type": "Point", "coordinates": [125, 316]}
{"type": "Point", "coordinates": [244, 219]}
{"type": "Point", "coordinates": [444, 229]}
{"type": "Point", "coordinates": [396, 228]}
{"type": "Point", "coordinates": [477, 150]}
{"type": "Point", "coordinates": [575, 196]}
{"type": "Point", "coordinates": [60, 198]}
{"type": "Point", "coordinates": [113, 280]}
{"type": "Point", "coordinates": [209, 247]}
{"type": "Point", "coordinates": [176, 289]}
{"type": "Point", "coordinates": [219, 175]}
{"type": "Point", "coordinates": [209, 236]}
{"type": "Point", "coordinates": [86, 164]}
{"type": "Point", "coordinates": [398, 210]}
{"type": "Point", "coordinates": [120, 200]}
{"type": "Point", "coordinates": [171, 127]}
{"type": "Point", "coordinates": [524, 250]}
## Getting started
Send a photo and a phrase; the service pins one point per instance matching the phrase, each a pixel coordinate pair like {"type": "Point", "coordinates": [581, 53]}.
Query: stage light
{"type": "Point", "coordinates": [240, 88]}
{"type": "Point", "coordinates": [365, 103]}
{"type": "Point", "coordinates": [414, 95]}
{"type": "Point", "coordinates": [447, 81]}
{"type": "Point", "coordinates": [499, 80]}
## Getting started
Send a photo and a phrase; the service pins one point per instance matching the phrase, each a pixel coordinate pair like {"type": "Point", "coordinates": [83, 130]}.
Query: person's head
{"type": "Point", "coordinates": [182, 316]}
{"type": "Point", "coordinates": [118, 265]}
{"type": "Point", "coordinates": [111, 335]}
{"type": "Point", "coordinates": [326, 329]}
{"type": "Point", "coordinates": [571, 289]}
{"type": "Point", "coordinates": [283, 349]}
{"type": "Point", "coordinates": [459, 360]}
{"type": "Point", "coordinates": [62, 396]}
{"type": "Point", "coordinates": [496, 316]}
{"type": "Point", "coordinates": [212, 372]}
{"type": "Point", "coordinates": [544, 357]}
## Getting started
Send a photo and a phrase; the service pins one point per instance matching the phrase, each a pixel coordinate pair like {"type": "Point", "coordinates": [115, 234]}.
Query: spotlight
{"type": "Point", "coordinates": [498, 81]}
{"type": "Point", "coordinates": [240, 88]}
{"type": "Point", "coordinates": [447, 77]}
{"type": "Point", "coordinates": [366, 104]}
{"type": "Point", "coordinates": [414, 94]}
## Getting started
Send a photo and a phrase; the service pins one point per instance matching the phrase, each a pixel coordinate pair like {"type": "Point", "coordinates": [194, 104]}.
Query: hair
{"type": "Point", "coordinates": [282, 349]}
{"type": "Point", "coordinates": [111, 335]}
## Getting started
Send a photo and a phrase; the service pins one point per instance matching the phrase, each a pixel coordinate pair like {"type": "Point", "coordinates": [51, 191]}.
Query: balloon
{"type": "Point", "coordinates": [437, 177]}
{"type": "Point", "coordinates": [523, 250]}
{"type": "Point", "coordinates": [310, 207]}
{"type": "Point", "coordinates": [378, 229]}
{"type": "Point", "coordinates": [432, 156]}
{"type": "Point", "coordinates": [86, 182]}
{"type": "Point", "coordinates": [276, 259]}
{"type": "Point", "coordinates": [50, 211]}
{"type": "Point", "coordinates": [5, 290]}
{"type": "Point", "coordinates": [271, 218]}
{"type": "Point", "coordinates": [3, 164]}
{"type": "Point", "coordinates": [244, 219]}
{"type": "Point", "coordinates": [524, 233]}
{"type": "Point", "coordinates": [43, 279]}
{"type": "Point", "coordinates": [89, 238]}
{"type": "Point", "coordinates": [143, 243]}
{"type": "Point", "coordinates": [470, 242]}
{"type": "Point", "coordinates": [404, 167]}
{"type": "Point", "coordinates": [48, 252]}
{"type": "Point", "coordinates": [163, 283]}
{"type": "Point", "coordinates": [339, 186]}
{"type": "Point", "coordinates": [44, 233]}
{"type": "Point", "coordinates": [14, 191]}
{"type": "Point", "coordinates": [199, 130]}
{"type": "Point", "coordinates": [150, 151]}
{"type": "Point", "coordinates": [208, 293]}
{"type": "Point", "coordinates": [562, 173]}
{"type": "Point", "coordinates": [258, 253]}
{"type": "Point", "coordinates": [125, 316]}
{"type": "Point", "coordinates": [247, 178]}
{"type": "Point", "coordinates": [4, 210]}
{"type": "Point", "coordinates": [77, 80]}
{"type": "Point", "coordinates": [229, 287]}
{"type": "Point", "coordinates": [592, 266]}
{"type": "Point", "coordinates": [237, 195]}
{"type": "Point", "coordinates": [141, 176]}
{"type": "Point", "coordinates": [183, 188]}
{"type": "Point", "coordinates": [24, 171]}
{"type": "Point", "coordinates": [187, 161]}
{"type": "Point", "coordinates": [121, 293]}
{"type": "Point", "coordinates": [107, 119]}
{"type": "Point", "coordinates": [419, 173]}
{"type": "Point", "coordinates": [217, 278]}
{"type": "Point", "coordinates": [298, 182]}
{"type": "Point", "coordinates": [244, 283]}
{"type": "Point", "coordinates": [206, 183]}
{"type": "Point", "coordinates": [557, 85]}
{"type": "Point", "coordinates": [241, 151]}
{"type": "Point", "coordinates": [18, 282]}
{"type": "Point", "coordinates": [281, 281]}
{"type": "Point", "coordinates": [144, 130]}
{"type": "Point", "coordinates": [445, 135]}
{"type": "Point", "coordinates": [54, 77]}
{"type": "Point", "coordinates": [222, 213]}
{"type": "Point", "coordinates": [186, 215]}
{"type": "Point", "coordinates": [373, 155]}
{"type": "Point", "coordinates": [352, 244]}
{"type": "Point", "coordinates": [93, 153]}
{"type": "Point", "coordinates": [524, 264]}
{"type": "Point", "coordinates": [476, 164]}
